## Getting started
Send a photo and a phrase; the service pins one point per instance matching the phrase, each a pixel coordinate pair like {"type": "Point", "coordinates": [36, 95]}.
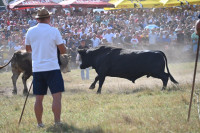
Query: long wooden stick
{"type": "Point", "coordinates": [194, 76]}
{"type": "Point", "coordinates": [25, 104]}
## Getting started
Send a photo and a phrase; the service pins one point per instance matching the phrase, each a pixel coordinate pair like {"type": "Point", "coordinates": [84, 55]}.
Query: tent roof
{"type": "Point", "coordinates": [33, 3]}
{"type": "Point", "coordinates": [136, 4]}
{"type": "Point", "coordinates": [86, 3]}
{"type": "Point", "coordinates": [170, 3]}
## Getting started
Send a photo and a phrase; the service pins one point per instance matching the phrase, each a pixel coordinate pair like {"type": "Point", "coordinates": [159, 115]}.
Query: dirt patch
{"type": "Point", "coordinates": [6, 91]}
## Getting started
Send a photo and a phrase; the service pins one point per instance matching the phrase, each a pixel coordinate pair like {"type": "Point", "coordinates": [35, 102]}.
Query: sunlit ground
{"type": "Point", "coordinates": [122, 106]}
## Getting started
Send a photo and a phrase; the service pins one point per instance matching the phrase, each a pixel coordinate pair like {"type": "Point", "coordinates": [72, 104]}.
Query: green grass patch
{"type": "Point", "coordinates": [123, 107]}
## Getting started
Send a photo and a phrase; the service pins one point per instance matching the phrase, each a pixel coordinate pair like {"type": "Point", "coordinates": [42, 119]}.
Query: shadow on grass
{"type": "Point", "coordinates": [139, 90]}
{"type": "Point", "coordinates": [65, 128]}
{"type": "Point", "coordinates": [147, 90]}
{"type": "Point", "coordinates": [1, 92]}
{"type": "Point", "coordinates": [133, 91]}
{"type": "Point", "coordinates": [76, 91]}
{"type": "Point", "coordinates": [175, 88]}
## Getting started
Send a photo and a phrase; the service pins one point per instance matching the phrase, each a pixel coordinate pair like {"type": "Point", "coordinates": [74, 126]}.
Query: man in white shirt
{"type": "Point", "coordinates": [134, 41]}
{"type": "Point", "coordinates": [95, 41]}
{"type": "Point", "coordinates": [82, 32]}
{"type": "Point", "coordinates": [152, 38]}
{"type": "Point", "coordinates": [42, 40]}
{"type": "Point", "coordinates": [109, 36]}
{"type": "Point", "coordinates": [17, 47]}
{"type": "Point", "coordinates": [32, 22]}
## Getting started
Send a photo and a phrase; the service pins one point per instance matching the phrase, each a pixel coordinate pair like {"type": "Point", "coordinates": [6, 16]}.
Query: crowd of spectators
{"type": "Point", "coordinates": [174, 28]}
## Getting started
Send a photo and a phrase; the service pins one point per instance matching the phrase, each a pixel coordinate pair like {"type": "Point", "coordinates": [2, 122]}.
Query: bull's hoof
{"type": "Point", "coordinates": [98, 92]}
{"type": "Point", "coordinates": [92, 87]}
{"type": "Point", "coordinates": [25, 91]}
{"type": "Point", "coordinates": [163, 88]}
{"type": "Point", "coordinates": [14, 92]}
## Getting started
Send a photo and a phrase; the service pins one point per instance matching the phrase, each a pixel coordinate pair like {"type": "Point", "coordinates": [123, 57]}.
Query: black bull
{"type": "Point", "coordinates": [125, 63]}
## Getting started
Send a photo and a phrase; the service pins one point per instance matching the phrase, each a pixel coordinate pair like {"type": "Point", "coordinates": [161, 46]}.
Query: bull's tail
{"type": "Point", "coordinates": [171, 77]}
{"type": "Point", "coordinates": [6, 63]}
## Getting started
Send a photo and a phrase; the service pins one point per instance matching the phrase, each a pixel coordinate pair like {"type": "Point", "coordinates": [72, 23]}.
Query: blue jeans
{"type": "Point", "coordinates": [83, 74]}
{"type": "Point", "coordinates": [195, 48]}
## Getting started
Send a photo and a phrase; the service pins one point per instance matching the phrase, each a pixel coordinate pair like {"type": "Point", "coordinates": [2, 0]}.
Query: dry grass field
{"type": "Point", "coordinates": [123, 107]}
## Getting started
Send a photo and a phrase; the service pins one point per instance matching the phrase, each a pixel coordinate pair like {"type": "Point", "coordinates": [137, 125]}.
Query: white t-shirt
{"type": "Point", "coordinates": [109, 37]}
{"type": "Point", "coordinates": [17, 48]}
{"type": "Point", "coordinates": [81, 33]}
{"type": "Point", "coordinates": [134, 41]}
{"type": "Point", "coordinates": [152, 39]}
{"type": "Point", "coordinates": [173, 37]}
{"type": "Point", "coordinates": [32, 23]}
{"type": "Point", "coordinates": [8, 28]}
{"type": "Point", "coordinates": [44, 40]}
{"type": "Point", "coordinates": [95, 42]}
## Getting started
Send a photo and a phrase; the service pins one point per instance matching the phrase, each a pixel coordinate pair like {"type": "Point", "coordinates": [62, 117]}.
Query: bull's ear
{"type": "Point", "coordinates": [82, 51]}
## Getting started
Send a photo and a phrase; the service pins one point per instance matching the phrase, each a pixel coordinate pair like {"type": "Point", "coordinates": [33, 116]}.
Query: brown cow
{"type": "Point", "coordinates": [21, 62]}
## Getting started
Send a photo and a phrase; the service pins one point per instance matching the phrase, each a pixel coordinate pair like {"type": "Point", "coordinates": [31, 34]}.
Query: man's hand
{"type": "Point", "coordinates": [62, 48]}
{"type": "Point", "coordinates": [28, 48]}
{"type": "Point", "coordinates": [197, 27]}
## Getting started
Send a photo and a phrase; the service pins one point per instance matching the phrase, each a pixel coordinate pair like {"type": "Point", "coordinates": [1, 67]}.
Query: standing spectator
{"type": "Point", "coordinates": [117, 41]}
{"type": "Point", "coordinates": [152, 38]}
{"type": "Point", "coordinates": [32, 22]}
{"type": "Point", "coordinates": [70, 42]}
{"type": "Point", "coordinates": [88, 41]}
{"type": "Point", "coordinates": [194, 38]}
{"type": "Point", "coordinates": [1, 27]}
{"type": "Point", "coordinates": [82, 32]}
{"type": "Point", "coordinates": [127, 40]}
{"type": "Point", "coordinates": [78, 60]}
{"type": "Point", "coordinates": [6, 33]}
{"type": "Point", "coordinates": [97, 18]}
{"type": "Point", "coordinates": [23, 30]}
{"type": "Point", "coordinates": [95, 41]}
{"type": "Point", "coordinates": [134, 41]}
{"type": "Point", "coordinates": [167, 41]}
{"type": "Point", "coordinates": [180, 37]}
{"type": "Point", "coordinates": [76, 41]}
{"type": "Point", "coordinates": [66, 36]}
{"type": "Point", "coordinates": [109, 36]}
{"type": "Point", "coordinates": [17, 47]}
{"type": "Point", "coordinates": [173, 38]}
{"type": "Point", "coordinates": [73, 54]}
{"type": "Point", "coordinates": [6, 56]}
{"type": "Point", "coordinates": [99, 35]}
{"type": "Point", "coordinates": [11, 42]}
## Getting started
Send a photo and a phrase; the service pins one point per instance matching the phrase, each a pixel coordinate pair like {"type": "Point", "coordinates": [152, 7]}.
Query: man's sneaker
{"type": "Point", "coordinates": [41, 125]}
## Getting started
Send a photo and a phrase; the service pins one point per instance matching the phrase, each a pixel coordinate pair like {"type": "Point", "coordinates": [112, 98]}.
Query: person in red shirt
{"type": "Point", "coordinates": [99, 35]}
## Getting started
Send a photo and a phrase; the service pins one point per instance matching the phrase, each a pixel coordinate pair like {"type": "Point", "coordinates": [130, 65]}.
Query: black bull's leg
{"type": "Point", "coordinates": [92, 86]}
{"type": "Point", "coordinates": [101, 80]}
